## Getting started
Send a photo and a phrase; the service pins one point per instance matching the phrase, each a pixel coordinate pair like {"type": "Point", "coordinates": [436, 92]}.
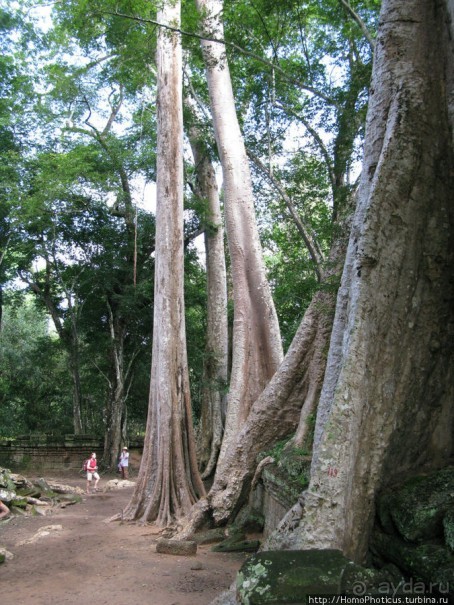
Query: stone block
{"type": "Point", "coordinates": [416, 510]}
{"type": "Point", "coordinates": [278, 577]}
{"type": "Point", "coordinates": [183, 548]}
{"type": "Point", "coordinates": [429, 563]}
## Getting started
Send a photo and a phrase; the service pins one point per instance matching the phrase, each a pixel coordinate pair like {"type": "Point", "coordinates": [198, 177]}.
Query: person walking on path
{"type": "Point", "coordinates": [92, 472]}
{"type": "Point", "coordinates": [124, 463]}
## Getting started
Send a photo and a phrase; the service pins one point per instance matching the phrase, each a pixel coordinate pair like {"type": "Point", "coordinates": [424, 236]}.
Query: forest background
{"type": "Point", "coordinates": [78, 159]}
{"type": "Point", "coordinates": [276, 94]}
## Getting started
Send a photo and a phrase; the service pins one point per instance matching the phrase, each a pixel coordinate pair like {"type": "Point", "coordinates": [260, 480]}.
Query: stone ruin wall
{"type": "Point", "coordinates": [47, 452]}
{"type": "Point", "coordinates": [273, 495]}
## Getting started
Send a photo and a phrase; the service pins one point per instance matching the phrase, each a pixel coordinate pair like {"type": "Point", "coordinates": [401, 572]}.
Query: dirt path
{"type": "Point", "coordinates": [89, 561]}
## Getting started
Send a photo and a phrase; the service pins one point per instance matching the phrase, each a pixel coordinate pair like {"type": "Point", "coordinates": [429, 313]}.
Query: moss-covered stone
{"type": "Point", "coordinates": [16, 510]}
{"type": "Point", "coordinates": [296, 464]}
{"type": "Point", "coordinates": [281, 486]}
{"type": "Point", "coordinates": [19, 502]}
{"type": "Point", "coordinates": [7, 495]}
{"type": "Point", "coordinates": [43, 486]}
{"type": "Point", "coordinates": [448, 527]}
{"type": "Point", "coordinates": [430, 563]}
{"type": "Point", "coordinates": [5, 480]}
{"type": "Point", "coordinates": [249, 520]}
{"type": "Point", "coordinates": [277, 577]}
{"type": "Point", "coordinates": [288, 476]}
{"type": "Point", "coordinates": [210, 536]}
{"type": "Point", "coordinates": [417, 509]}
{"type": "Point", "coordinates": [68, 498]}
{"type": "Point", "coordinates": [368, 580]}
{"type": "Point", "coordinates": [230, 545]}
{"type": "Point", "coordinates": [29, 492]}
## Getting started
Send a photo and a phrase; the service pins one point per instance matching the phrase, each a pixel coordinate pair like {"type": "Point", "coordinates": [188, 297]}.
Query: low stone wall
{"type": "Point", "coordinates": [47, 452]}
{"type": "Point", "coordinates": [279, 495]}
{"type": "Point", "coordinates": [282, 485]}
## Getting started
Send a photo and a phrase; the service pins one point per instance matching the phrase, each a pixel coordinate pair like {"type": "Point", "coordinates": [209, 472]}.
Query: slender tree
{"type": "Point", "coordinates": [256, 346]}
{"type": "Point", "coordinates": [119, 374]}
{"type": "Point", "coordinates": [169, 481]}
{"type": "Point", "coordinates": [214, 380]}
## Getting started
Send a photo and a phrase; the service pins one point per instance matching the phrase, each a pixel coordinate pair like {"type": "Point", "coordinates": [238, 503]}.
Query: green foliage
{"type": "Point", "coordinates": [279, 449]}
{"type": "Point", "coordinates": [195, 300]}
{"type": "Point", "coordinates": [290, 268]}
{"type": "Point", "coordinates": [67, 216]}
{"type": "Point", "coordinates": [293, 461]}
{"type": "Point", "coordinates": [35, 395]}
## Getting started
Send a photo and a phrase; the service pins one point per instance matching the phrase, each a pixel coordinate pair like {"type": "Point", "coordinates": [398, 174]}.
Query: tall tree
{"type": "Point", "coordinates": [293, 392]}
{"type": "Point", "coordinates": [169, 482]}
{"type": "Point", "coordinates": [256, 346]}
{"type": "Point", "coordinates": [386, 404]}
{"type": "Point", "coordinates": [214, 380]}
{"type": "Point", "coordinates": [123, 207]}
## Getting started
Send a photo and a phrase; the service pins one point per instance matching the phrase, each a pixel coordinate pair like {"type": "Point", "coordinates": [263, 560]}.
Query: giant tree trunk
{"type": "Point", "coordinates": [168, 482]}
{"type": "Point", "coordinates": [213, 410]}
{"type": "Point", "coordinates": [256, 346]}
{"type": "Point", "coordinates": [276, 412]}
{"type": "Point", "coordinates": [386, 404]}
{"type": "Point", "coordinates": [291, 394]}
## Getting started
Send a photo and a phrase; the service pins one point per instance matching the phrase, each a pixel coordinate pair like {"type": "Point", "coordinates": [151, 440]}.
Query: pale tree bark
{"type": "Point", "coordinates": [312, 339]}
{"type": "Point", "coordinates": [277, 412]}
{"type": "Point", "coordinates": [169, 482]}
{"type": "Point", "coordinates": [213, 410]}
{"type": "Point", "coordinates": [256, 346]}
{"type": "Point", "coordinates": [289, 401]}
{"type": "Point", "coordinates": [386, 404]}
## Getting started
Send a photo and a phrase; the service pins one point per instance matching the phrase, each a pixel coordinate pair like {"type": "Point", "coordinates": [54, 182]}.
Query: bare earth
{"type": "Point", "coordinates": [89, 561]}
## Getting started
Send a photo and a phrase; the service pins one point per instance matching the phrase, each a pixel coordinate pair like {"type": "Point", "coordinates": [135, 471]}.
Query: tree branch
{"type": "Point", "coordinates": [47, 299]}
{"type": "Point", "coordinates": [360, 22]}
{"type": "Point", "coordinates": [114, 112]}
{"type": "Point", "coordinates": [4, 250]}
{"type": "Point", "coordinates": [195, 97]}
{"type": "Point", "coordinates": [241, 50]}
{"type": "Point", "coordinates": [312, 246]}
{"type": "Point", "coordinates": [316, 138]}
{"type": "Point", "coordinates": [109, 382]}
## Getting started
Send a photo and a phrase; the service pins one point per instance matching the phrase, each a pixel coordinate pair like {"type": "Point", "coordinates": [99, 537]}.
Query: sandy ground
{"type": "Point", "coordinates": [90, 561]}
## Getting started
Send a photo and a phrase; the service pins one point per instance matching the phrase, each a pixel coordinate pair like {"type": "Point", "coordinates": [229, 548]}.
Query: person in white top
{"type": "Point", "coordinates": [124, 463]}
